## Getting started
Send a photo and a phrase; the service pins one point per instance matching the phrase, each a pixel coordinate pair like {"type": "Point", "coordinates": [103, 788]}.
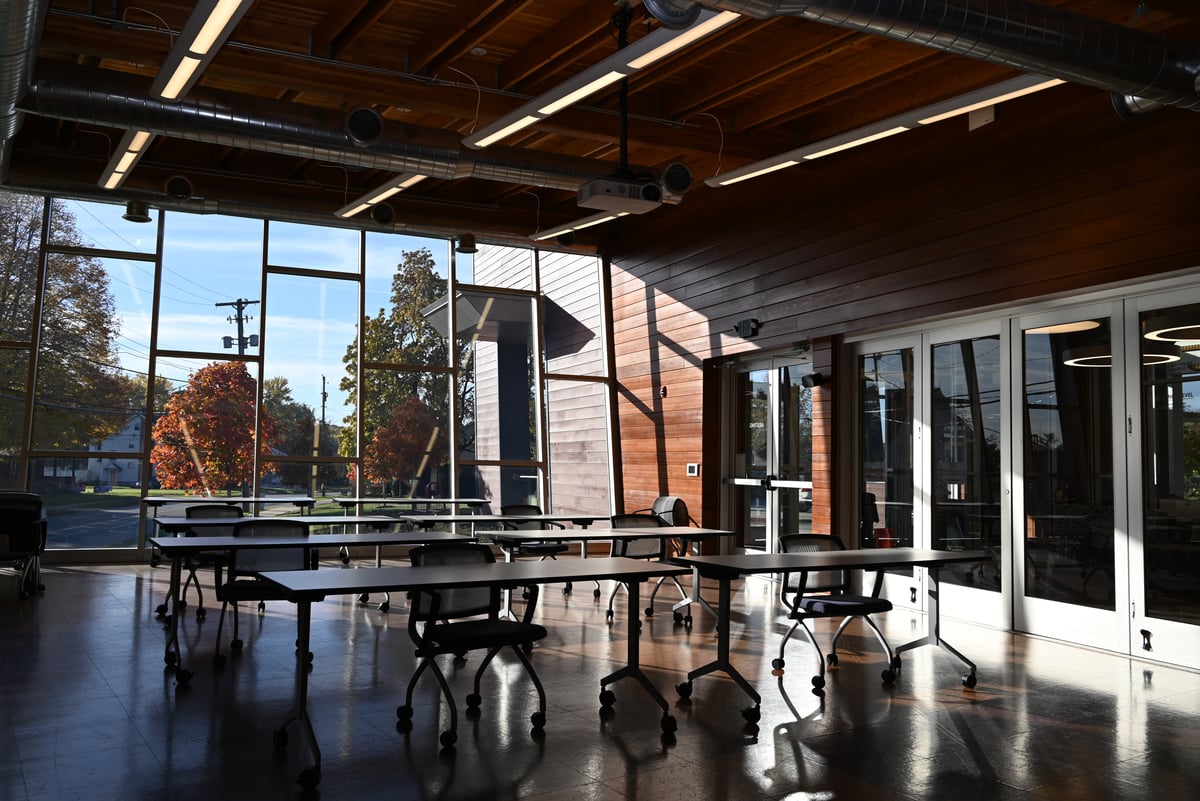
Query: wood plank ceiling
{"type": "Point", "coordinates": [436, 71]}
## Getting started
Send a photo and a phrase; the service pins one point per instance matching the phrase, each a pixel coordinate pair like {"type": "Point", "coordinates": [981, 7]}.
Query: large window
{"type": "Point", "coordinates": [211, 354]}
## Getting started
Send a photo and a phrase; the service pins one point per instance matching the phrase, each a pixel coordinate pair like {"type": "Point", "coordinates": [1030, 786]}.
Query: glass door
{"type": "Point", "coordinates": [1071, 547]}
{"type": "Point", "coordinates": [771, 475]}
{"type": "Point", "coordinates": [1165, 472]}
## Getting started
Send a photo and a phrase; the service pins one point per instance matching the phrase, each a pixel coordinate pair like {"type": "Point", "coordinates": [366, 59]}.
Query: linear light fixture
{"type": "Point", "coordinates": [376, 196]}
{"type": "Point", "coordinates": [927, 115]}
{"type": "Point", "coordinates": [651, 48]}
{"type": "Point", "coordinates": [129, 151]}
{"type": "Point", "coordinates": [203, 34]}
{"type": "Point", "coordinates": [578, 225]}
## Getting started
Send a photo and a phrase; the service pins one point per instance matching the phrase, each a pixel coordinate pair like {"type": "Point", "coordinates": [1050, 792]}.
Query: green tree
{"type": "Point", "coordinates": [297, 423]}
{"type": "Point", "coordinates": [403, 336]}
{"type": "Point", "coordinates": [81, 395]}
{"type": "Point", "coordinates": [205, 439]}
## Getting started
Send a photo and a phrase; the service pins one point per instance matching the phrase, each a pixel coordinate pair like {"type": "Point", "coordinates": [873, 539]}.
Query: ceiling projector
{"type": "Point", "coordinates": [621, 195]}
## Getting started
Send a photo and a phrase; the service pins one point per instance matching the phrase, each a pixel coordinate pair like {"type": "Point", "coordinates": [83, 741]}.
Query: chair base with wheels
{"type": "Point", "coordinates": [462, 620]}
{"type": "Point", "coordinates": [809, 595]}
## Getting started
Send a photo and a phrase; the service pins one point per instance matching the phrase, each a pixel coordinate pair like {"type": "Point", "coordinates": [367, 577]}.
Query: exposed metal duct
{"type": "Point", "coordinates": [252, 123]}
{"type": "Point", "coordinates": [1014, 33]}
{"type": "Point", "coordinates": [20, 30]}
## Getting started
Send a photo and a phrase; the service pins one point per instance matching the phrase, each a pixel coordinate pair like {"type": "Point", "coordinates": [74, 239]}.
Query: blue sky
{"type": "Point", "coordinates": [215, 259]}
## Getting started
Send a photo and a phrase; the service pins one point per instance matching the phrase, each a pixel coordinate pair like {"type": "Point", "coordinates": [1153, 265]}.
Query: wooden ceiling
{"type": "Point", "coordinates": [437, 71]}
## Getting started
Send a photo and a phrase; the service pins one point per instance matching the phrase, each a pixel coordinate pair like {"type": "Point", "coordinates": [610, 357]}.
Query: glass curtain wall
{"type": "Point", "coordinates": [203, 354]}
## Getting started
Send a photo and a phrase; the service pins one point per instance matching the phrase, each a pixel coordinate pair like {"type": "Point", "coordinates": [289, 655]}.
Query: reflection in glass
{"type": "Point", "coordinates": [313, 247]}
{"type": "Point", "coordinates": [966, 456]}
{"type": "Point", "coordinates": [1068, 466]}
{"type": "Point", "coordinates": [1171, 447]}
{"type": "Point", "coordinates": [406, 451]}
{"type": "Point", "coordinates": [753, 414]}
{"type": "Point", "coordinates": [572, 319]}
{"type": "Point", "coordinates": [886, 437]}
{"type": "Point", "coordinates": [14, 371]}
{"type": "Point", "coordinates": [99, 225]}
{"type": "Point", "coordinates": [20, 256]}
{"type": "Point", "coordinates": [794, 451]}
{"type": "Point", "coordinates": [81, 513]}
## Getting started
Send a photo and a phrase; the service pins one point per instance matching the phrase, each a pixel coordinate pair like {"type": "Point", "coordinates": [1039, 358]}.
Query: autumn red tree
{"type": "Point", "coordinates": [405, 446]}
{"type": "Point", "coordinates": [205, 440]}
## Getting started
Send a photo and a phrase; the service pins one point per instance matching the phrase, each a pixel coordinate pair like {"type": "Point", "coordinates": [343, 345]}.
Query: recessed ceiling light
{"type": "Point", "coordinates": [478, 51]}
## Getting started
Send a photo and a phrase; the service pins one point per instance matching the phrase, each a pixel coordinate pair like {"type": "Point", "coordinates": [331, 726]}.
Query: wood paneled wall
{"type": "Point", "coordinates": [1056, 196]}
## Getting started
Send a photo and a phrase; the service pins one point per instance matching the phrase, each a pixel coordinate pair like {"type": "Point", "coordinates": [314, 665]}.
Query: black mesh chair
{"type": "Point", "coordinates": [206, 511]}
{"type": "Point", "coordinates": [640, 548]}
{"type": "Point", "coordinates": [671, 510]}
{"type": "Point", "coordinates": [539, 549]}
{"type": "Point", "coordinates": [23, 538]}
{"type": "Point", "coordinates": [810, 594]}
{"type": "Point", "coordinates": [467, 619]}
{"type": "Point", "coordinates": [238, 579]}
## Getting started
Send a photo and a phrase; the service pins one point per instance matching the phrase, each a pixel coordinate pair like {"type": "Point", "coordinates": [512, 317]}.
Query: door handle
{"type": "Point", "coordinates": [766, 482]}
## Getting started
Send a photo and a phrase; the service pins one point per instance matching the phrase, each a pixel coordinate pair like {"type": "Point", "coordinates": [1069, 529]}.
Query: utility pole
{"type": "Point", "coordinates": [242, 340]}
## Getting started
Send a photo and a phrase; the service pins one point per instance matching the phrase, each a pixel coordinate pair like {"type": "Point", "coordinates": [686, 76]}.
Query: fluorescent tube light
{"type": "Point", "coordinates": [578, 225]}
{"type": "Point", "coordinates": [380, 193]}
{"type": "Point", "coordinates": [203, 34]}
{"type": "Point", "coordinates": [989, 96]}
{"type": "Point", "coordinates": [651, 48]}
{"type": "Point", "coordinates": [129, 151]}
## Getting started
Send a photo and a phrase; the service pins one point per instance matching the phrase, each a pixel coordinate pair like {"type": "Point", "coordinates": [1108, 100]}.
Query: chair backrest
{"type": "Point", "coordinates": [641, 548]}
{"type": "Point", "coordinates": [817, 581]}
{"type": "Point", "coordinates": [459, 602]}
{"type": "Point", "coordinates": [212, 510]}
{"type": "Point", "coordinates": [522, 509]}
{"type": "Point", "coordinates": [672, 510]}
{"type": "Point", "coordinates": [254, 560]}
{"type": "Point", "coordinates": [22, 524]}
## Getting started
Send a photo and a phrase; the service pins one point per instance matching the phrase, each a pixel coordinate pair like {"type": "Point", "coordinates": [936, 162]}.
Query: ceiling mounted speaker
{"type": "Point", "coordinates": [178, 187]}
{"type": "Point", "coordinates": [673, 13]}
{"type": "Point", "coordinates": [364, 126]}
{"type": "Point", "coordinates": [677, 178]}
{"type": "Point", "coordinates": [466, 244]}
{"type": "Point", "coordinates": [383, 214]}
{"type": "Point", "coordinates": [137, 211]}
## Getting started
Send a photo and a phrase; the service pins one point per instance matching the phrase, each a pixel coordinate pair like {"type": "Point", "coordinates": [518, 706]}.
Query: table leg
{"type": "Point", "coordinates": [171, 654]}
{"type": "Point", "coordinates": [722, 663]}
{"type": "Point", "coordinates": [633, 664]}
{"type": "Point", "coordinates": [693, 598]}
{"type": "Point", "coordinates": [933, 635]}
{"type": "Point", "coordinates": [309, 777]}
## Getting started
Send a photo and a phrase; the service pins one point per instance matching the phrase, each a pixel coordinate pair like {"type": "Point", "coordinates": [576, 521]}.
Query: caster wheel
{"type": "Point", "coordinates": [219, 660]}
{"type": "Point", "coordinates": [448, 739]}
{"type": "Point", "coordinates": [404, 712]}
{"type": "Point", "coordinates": [262, 607]}
{"type": "Point", "coordinates": [896, 663]}
{"type": "Point", "coordinates": [383, 607]}
{"type": "Point", "coordinates": [345, 560]}
{"type": "Point", "coordinates": [236, 645]}
{"type": "Point", "coordinates": [684, 690]}
{"type": "Point", "coordinates": [596, 594]}
{"type": "Point", "coordinates": [309, 779]}
{"type": "Point", "coordinates": [201, 614]}
{"type": "Point", "coordinates": [566, 590]}
{"type": "Point", "coordinates": [525, 595]}
{"type": "Point", "coordinates": [831, 660]}
{"type": "Point", "coordinates": [687, 620]}
{"type": "Point", "coordinates": [888, 676]}
{"type": "Point", "coordinates": [171, 658]}
{"type": "Point", "coordinates": [669, 724]}
{"type": "Point", "coordinates": [608, 615]}
{"type": "Point", "coordinates": [538, 719]}
{"type": "Point", "coordinates": [818, 682]}
{"type": "Point", "coordinates": [607, 698]}
{"type": "Point", "coordinates": [969, 681]}
{"type": "Point", "coordinates": [752, 715]}
{"type": "Point", "coordinates": [280, 739]}
{"type": "Point", "coordinates": [678, 618]}
{"type": "Point", "coordinates": [473, 701]}
{"type": "Point", "coordinates": [160, 610]}
{"type": "Point", "coordinates": [182, 677]}
{"type": "Point", "coordinates": [527, 647]}
{"type": "Point", "coordinates": [649, 610]}
{"type": "Point", "coordinates": [777, 664]}
{"type": "Point", "coordinates": [362, 599]}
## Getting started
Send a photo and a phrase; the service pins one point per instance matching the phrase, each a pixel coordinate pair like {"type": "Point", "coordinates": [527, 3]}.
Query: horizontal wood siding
{"type": "Point", "coordinates": [1056, 196]}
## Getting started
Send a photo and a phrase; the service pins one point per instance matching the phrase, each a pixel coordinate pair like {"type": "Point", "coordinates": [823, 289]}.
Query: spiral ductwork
{"type": "Point", "coordinates": [252, 123]}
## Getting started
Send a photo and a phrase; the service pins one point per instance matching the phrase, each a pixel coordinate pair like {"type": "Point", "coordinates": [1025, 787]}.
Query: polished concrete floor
{"type": "Point", "coordinates": [88, 710]}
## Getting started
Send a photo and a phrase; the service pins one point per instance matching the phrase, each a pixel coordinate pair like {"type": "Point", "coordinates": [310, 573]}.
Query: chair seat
{"type": "Point", "coordinates": [841, 605]}
{"type": "Point", "coordinates": [542, 548]}
{"type": "Point", "coordinates": [490, 633]}
{"type": "Point", "coordinates": [248, 589]}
